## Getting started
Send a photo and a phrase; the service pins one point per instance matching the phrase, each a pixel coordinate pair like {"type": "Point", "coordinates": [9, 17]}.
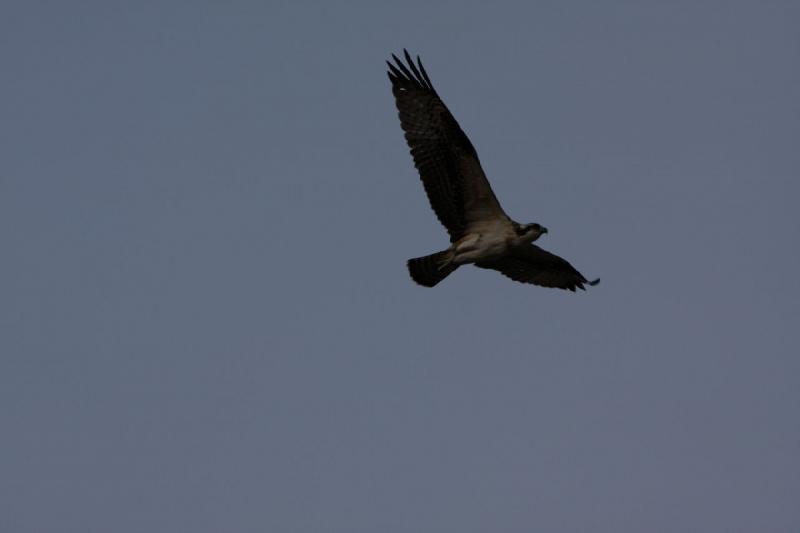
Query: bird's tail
{"type": "Point", "coordinates": [431, 269]}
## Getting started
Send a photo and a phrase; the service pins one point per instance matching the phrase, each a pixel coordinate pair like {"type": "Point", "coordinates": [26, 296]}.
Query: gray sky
{"type": "Point", "coordinates": [207, 324]}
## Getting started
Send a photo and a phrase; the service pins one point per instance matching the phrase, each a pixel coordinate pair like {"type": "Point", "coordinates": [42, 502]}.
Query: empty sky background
{"type": "Point", "coordinates": [207, 324]}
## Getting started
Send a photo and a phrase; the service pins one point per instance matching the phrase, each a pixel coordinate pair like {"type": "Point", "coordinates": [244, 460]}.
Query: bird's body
{"type": "Point", "coordinates": [480, 231]}
{"type": "Point", "coordinates": [487, 240]}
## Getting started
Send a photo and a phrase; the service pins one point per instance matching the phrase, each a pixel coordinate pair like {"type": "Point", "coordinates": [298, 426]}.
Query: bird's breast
{"type": "Point", "coordinates": [481, 246]}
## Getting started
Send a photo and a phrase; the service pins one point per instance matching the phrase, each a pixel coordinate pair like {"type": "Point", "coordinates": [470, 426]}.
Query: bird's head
{"type": "Point", "coordinates": [530, 232]}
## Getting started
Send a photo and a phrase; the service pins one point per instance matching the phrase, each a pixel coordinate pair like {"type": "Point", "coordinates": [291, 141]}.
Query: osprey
{"type": "Point", "coordinates": [480, 231]}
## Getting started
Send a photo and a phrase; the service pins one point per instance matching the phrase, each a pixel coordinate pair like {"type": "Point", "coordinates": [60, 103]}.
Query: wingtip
{"type": "Point", "coordinates": [594, 282]}
{"type": "Point", "coordinates": [410, 71]}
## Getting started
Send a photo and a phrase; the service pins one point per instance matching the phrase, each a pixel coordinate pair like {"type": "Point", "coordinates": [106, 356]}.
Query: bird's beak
{"type": "Point", "coordinates": [544, 230]}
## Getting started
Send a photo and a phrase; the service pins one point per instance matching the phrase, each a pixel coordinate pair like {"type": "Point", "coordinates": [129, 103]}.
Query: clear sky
{"type": "Point", "coordinates": [206, 323]}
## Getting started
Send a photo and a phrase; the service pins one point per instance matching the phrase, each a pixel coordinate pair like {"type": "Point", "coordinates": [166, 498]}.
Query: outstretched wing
{"type": "Point", "coordinates": [448, 165]}
{"type": "Point", "coordinates": [531, 264]}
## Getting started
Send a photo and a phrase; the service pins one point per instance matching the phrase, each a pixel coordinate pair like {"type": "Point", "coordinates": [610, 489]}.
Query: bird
{"type": "Point", "coordinates": [481, 233]}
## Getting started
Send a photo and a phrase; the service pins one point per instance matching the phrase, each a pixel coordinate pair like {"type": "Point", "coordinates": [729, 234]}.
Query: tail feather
{"type": "Point", "coordinates": [431, 269]}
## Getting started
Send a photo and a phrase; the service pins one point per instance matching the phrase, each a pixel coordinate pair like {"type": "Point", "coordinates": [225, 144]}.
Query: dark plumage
{"type": "Point", "coordinates": [460, 195]}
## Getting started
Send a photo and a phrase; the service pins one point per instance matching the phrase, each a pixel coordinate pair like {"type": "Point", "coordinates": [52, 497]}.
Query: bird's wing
{"type": "Point", "coordinates": [448, 165]}
{"type": "Point", "coordinates": [531, 264]}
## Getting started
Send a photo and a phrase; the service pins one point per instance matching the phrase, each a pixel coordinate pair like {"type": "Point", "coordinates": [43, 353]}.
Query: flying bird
{"type": "Point", "coordinates": [480, 231]}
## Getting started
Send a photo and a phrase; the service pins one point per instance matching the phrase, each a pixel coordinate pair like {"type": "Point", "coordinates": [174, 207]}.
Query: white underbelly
{"type": "Point", "coordinates": [480, 247]}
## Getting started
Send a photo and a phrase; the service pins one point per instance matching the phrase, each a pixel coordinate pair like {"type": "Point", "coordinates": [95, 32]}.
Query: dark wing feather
{"type": "Point", "coordinates": [448, 165]}
{"type": "Point", "coordinates": [531, 264]}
